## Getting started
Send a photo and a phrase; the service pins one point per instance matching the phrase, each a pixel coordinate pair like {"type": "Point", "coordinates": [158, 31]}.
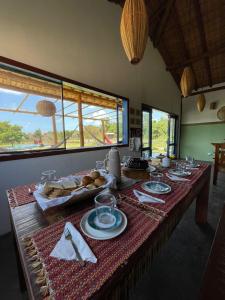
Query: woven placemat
{"type": "Point", "coordinates": [178, 192]}
{"type": "Point", "coordinates": [68, 279]}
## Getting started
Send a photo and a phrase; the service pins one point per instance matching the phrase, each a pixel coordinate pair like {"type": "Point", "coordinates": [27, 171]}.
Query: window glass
{"type": "Point", "coordinates": [28, 116]}
{"type": "Point", "coordinates": [145, 129]}
{"type": "Point", "coordinates": [38, 113]}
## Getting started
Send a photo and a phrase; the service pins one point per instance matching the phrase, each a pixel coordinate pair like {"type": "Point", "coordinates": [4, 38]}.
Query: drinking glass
{"type": "Point", "coordinates": [125, 160]}
{"type": "Point", "coordinates": [156, 176]}
{"type": "Point", "coordinates": [48, 175]}
{"type": "Point", "coordinates": [100, 165]}
{"type": "Point", "coordinates": [105, 204]}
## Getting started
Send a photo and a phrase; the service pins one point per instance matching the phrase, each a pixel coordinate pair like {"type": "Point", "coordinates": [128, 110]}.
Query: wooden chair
{"type": "Point", "coordinates": [219, 160]}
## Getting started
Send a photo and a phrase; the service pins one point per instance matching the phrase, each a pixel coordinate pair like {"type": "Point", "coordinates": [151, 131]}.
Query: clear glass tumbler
{"type": "Point", "coordinates": [105, 204]}
{"type": "Point", "coordinates": [48, 175]}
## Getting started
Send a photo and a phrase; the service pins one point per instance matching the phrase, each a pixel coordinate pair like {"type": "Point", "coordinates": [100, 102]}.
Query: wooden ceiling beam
{"type": "Point", "coordinates": [207, 91]}
{"type": "Point", "coordinates": [163, 22]}
{"type": "Point", "coordinates": [201, 29]}
{"type": "Point", "coordinates": [181, 37]}
{"type": "Point", "coordinates": [196, 59]}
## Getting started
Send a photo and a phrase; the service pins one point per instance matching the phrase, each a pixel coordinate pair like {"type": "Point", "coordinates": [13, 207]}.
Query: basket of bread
{"type": "Point", "coordinates": [72, 188]}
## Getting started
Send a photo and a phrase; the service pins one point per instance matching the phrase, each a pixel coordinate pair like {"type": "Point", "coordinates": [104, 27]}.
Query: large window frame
{"type": "Point", "coordinates": [148, 109]}
{"type": "Point", "coordinates": [122, 132]}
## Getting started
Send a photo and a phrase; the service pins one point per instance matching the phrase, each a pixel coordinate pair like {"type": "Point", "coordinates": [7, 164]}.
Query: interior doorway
{"type": "Point", "coordinates": [159, 131]}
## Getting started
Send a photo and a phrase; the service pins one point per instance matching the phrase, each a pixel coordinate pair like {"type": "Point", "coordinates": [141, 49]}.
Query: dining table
{"type": "Point", "coordinates": [121, 261]}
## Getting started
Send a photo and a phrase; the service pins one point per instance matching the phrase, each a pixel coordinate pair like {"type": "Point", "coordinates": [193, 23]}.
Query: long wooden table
{"type": "Point", "coordinates": [28, 218]}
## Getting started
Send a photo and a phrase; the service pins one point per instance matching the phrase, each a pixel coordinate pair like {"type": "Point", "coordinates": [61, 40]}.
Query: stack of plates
{"type": "Point", "coordinates": [91, 226]}
{"type": "Point", "coordinates": [156, 187]}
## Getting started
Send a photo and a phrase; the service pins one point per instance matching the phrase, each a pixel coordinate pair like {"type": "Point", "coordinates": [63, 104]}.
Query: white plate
{"type": "Point", "coordinates": [147, 189]}
{"type": "Point", "coordinates": [102, 234]}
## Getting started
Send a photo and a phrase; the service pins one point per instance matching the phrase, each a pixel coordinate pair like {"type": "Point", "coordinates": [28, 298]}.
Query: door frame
{"type": "Point", "coordinates": [149, 108]}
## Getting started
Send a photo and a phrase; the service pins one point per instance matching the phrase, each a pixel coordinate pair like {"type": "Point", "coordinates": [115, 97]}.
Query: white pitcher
{"type": "Point", "coordinates": [166, 162]}
{"type": "Point", "coordinates": [112, 163]}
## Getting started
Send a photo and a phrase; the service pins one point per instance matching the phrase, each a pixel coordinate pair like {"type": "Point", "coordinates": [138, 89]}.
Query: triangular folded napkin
{"type": "Point", "coordinates": [142, 197]}
{"type": "Point", "coordinates": [176, 178]}
{"type": "Point", "coordinates": [64, 248]}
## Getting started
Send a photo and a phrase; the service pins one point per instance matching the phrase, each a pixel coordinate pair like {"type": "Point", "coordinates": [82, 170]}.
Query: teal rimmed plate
{"type": "Point", "coordinates": [156, 187]}
{"type": "Point", "coordinates": [93, 222]}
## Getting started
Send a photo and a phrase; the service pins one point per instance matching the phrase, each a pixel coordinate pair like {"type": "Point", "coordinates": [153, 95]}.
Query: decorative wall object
{"type": "Point", "coordinates": [138, 122]}
{"type": "Point", "coordinates": [221, 113]}
{"type": "Point", "coordinates": [201, 102]}
{"type": "Point", "coordinates": [138, 112]}
{"type": "Point", "coordinates": [132, 110]}
{"type": "Point", "coordinates": [134, 29]}
{"type": "Point", "coordinates": [132, 121]}
{"type": "Point", "coordinates": [187, 81]}
{"type": "Point", "coordinates": [213, 105]}
{"type": "Point", "coordinates": [46, 108]}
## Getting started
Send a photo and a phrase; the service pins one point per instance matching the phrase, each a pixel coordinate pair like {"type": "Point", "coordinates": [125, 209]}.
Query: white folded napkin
{"type": "Point", "coordinates": [64, 248]}
{"type": "Point", "coordinates": [142, 197]}
{"type": "Point", "coordinates": [176, 178]}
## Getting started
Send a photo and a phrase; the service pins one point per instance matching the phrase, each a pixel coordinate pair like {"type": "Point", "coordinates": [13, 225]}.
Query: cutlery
{"type": "Point", "coordinates": [153, 199]}
{"type": "Point", "coordinates": [30, 192]}
{"type": "Point", "coordinates": [68, 236]}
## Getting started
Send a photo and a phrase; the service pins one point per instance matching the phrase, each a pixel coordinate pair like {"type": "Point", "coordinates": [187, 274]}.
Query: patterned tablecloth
{"type": "Point", "coordinates": [63, 280]}
{"type": "Point", "coordinates": [68, 279]}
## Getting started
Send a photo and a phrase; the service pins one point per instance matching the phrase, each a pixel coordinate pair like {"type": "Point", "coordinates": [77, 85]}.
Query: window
{"type": "Point", "coordinates": [158, 132]}
{"type": "Point", "coordinates": [40, 113]}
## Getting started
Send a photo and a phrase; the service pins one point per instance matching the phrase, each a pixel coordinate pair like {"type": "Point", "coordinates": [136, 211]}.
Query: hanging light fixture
{"type": "Point", "coordinates": [187, 81]}
{"type": "Point", "coordinates": [134, 29]}
{"type": "Point", "coordinates": [201, 102]}
{"type": "Point", "coordinates": [46, 108]}
{"type": "Point", "coordinates": [221, 113]}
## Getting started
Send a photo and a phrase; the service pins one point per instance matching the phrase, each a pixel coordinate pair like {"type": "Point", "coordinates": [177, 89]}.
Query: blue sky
{"type": "Point", "coordinates": [11, 99]}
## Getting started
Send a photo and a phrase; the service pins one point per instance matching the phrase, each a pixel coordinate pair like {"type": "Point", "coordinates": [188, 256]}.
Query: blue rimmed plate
{"type": "Point", "coordinates": [102, 234]}
{"type": "Point", "coordinates": [93, 221]}
{"type": "Point", "coordinates": [156, 187]}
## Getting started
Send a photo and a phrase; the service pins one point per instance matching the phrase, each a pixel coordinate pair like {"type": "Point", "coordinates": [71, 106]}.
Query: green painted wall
{"type": "Point", "coordinates": [196, 140]}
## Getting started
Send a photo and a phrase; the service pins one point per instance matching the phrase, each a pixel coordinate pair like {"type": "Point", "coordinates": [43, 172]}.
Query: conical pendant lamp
{"type": "Point", "coordinates": [134, 29]}
{"type": "Point", "coordinates": [187, 81]}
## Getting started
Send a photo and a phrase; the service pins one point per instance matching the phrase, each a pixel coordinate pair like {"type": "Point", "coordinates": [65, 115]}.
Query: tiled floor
{"type": "Point", "coordinates": [176, 272]}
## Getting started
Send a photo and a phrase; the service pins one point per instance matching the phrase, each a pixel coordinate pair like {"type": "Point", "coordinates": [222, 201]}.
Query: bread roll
{"type": "Point", "coordinates": [91, 186]}
{"type": "Point", "coordinates": [94, 174]}
{"type": "Point", "coordinates": [100, 181]}
{"type": "Point", "coordinates": [86, 180]}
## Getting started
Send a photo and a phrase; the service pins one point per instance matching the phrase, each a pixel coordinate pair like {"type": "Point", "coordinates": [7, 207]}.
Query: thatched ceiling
{"type": "Point", "coordinates": [189, 32]}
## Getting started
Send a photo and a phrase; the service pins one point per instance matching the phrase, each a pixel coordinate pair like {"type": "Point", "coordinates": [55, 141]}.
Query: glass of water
{"type": "Point", "coordinates": [48, 175]}
{"type": "Point", "coordinates": [105, 204]}
{"type": "Point", "coordinates": [100, 165]}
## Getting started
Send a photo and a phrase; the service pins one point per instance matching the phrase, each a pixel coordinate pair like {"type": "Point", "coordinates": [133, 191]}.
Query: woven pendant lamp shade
{"type": "Point", "coordinates": [46, 108]}
{"type": "Point", "coordinates": [134, 29]}
{"type": "Point", "coordinates": [201, 102]}
{"type": "Point", "coordinates": [187, 82]}
{"type": "Point", "coordinates": [221, 113]}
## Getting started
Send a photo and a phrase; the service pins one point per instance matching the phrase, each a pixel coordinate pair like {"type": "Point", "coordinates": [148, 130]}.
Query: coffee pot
{"type": "Point", "coordinates": [112, 163]}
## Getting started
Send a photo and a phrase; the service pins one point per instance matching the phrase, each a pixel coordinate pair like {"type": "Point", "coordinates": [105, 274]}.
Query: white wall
{"type": "Point", "coordinates": [79, 40]}
{"type": "Point", "coordinates": [191, 115]}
